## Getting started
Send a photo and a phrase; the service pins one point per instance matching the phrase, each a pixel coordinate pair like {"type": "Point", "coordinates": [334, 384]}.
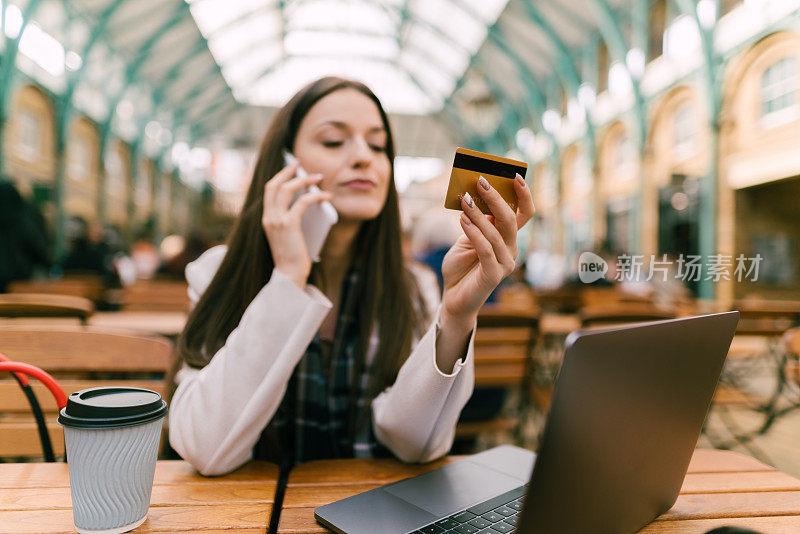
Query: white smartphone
{"type": "Point", "coordinates": [317, 219]}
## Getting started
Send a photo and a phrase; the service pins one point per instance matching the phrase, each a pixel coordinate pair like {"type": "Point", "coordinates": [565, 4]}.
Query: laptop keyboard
{"type": "Point", "coordinates": [495, 516]}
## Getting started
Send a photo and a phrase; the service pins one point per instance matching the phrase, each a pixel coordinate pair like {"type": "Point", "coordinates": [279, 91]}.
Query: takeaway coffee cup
{"type": "Point", "coordinates": [112, 436]}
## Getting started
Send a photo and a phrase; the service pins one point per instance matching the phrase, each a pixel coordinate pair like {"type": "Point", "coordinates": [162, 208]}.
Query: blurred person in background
{"type": "Point", "coordinates": [436, 233]}
{"type": "Point", "coordinates": [91, 251]}
{"type": "Point", "coordinates": [179, 252]}
{"type": "Point", "coordinates": [290, 361]}
{"type": "Point", "coordinates": [121, 263]}
{"type": "Point", "coordinates": [144, 253]}
{"type": "Point", "coordinates": [424, 275]}
{"type": "Point", "coordinates": [87, 251]}
{"type": "Point", "coordinates": [24, 245]}
{"type": "Point", "coordinates": [545, 270]}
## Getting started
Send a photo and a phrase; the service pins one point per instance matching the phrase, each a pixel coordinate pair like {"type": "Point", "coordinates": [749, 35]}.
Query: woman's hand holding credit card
{"type": "Point", "coordinates": [495, 206]}
{"type": "Point", "coordinates": [469, 165]}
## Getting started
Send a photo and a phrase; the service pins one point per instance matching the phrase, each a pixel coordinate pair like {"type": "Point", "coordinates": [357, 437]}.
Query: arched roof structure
{"type": "Point", "coordinates": [485, 68]}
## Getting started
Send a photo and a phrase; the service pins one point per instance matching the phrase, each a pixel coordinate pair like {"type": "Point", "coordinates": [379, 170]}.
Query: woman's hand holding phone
{"type": "Point", "coordinates": [281, 220]}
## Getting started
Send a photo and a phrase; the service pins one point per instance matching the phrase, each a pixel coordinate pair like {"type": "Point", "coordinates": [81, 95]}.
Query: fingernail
{"type": "Point", "coordinates": [484, 183]}
{"type": "Point", "coordinates": [520, 179]}
{"type": "Point", "coordinates": [317, 177]}
{"type": "Point", "coordinates": [468, 200]}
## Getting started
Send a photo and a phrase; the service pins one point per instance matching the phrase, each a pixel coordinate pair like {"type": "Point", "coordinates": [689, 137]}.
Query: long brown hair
{"type": "Point", "coordinates": [388, 296]}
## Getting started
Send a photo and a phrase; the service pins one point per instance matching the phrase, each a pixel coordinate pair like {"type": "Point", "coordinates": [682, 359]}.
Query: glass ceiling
{"type": "Point", "coordinates": [410, 52]}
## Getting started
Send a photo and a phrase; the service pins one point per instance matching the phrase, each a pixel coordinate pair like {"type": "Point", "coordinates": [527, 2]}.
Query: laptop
{"type": "Point", "coordinates": [627, 409]}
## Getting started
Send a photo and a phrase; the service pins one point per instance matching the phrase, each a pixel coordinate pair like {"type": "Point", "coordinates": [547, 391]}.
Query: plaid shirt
{"type": "Point", "coordinates": [325, 410]}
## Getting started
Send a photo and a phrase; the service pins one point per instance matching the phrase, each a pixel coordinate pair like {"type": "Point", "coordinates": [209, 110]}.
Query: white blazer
{"type": "Point", "coordinates": [218, 412]}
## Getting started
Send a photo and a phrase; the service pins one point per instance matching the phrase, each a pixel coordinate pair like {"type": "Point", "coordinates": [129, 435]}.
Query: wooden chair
{"type": "Point", "coordinates": [687, 306]}
{"type": "Point", "coordinates": [617, 313]}
{"type": "Point", "coordinates": [43, 305]}
{"type": "Point", "coordinates": [591, 296]}
{"type": "Point", "coordinates": [88, 286]}
{"type": "Point", "coordinates": [78, 358]}
{"type": "Point", "coordinates": [504, 343]}
{"type": "Point", "coordinates": [758, 336]}
{"type": "Point", "coordinates": [792, 340]}
{"type": "Point", "coordinates": [516, 296]}
{"type": "Point", "coordinates": [156, 295]}
{"type": "Point", "coordinates": [751, 394]}
{"type": "Point", "coordinates": [760, 317]}
{"type": "Point", "coordinates": [565, 299]}
{"type": "Point", "coordinates": [759, 383]}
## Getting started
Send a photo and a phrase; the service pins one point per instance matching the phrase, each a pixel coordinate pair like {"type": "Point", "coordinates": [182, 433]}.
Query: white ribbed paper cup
{"type": "Point", "coordinates": [111, 467]}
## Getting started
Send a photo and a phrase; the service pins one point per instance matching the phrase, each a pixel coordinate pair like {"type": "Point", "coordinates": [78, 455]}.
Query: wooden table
{"type": "Point", "coordinates": [721, 488]}
{"type": "Point", "coordinates": [35, 498]}
{"type": "Point", "coordinates": [559, 323]}
{"type": "Point", "coordinates": [168, 324]}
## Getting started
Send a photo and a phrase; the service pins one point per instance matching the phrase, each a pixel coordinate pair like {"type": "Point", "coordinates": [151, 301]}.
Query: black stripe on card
{"type": "Point", "coordinates": [488, 166]}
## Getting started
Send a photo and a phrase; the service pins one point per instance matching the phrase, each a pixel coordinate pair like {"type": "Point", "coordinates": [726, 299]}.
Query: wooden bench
{"type": "Point", "coordinates": [504, 343]}
{"type": "Point", "coordinates": [88, 286]}
{"type": "Point", "coordinates": [565, 299]}
{"type": "Point", "coordinates": [516, 295]}
{"type": "Point", "coordinates": [766, 317]}
{"type": "Point", "coordinates": [156, 296]}
{"type": "Point", "coordinates": [14, 305]}
{"type": "Point", "coordinates": [591, 296]}
{"type": "Point", "coordinates": [618, 313]}
{"type": "Point", "coordinates": [78, 358]}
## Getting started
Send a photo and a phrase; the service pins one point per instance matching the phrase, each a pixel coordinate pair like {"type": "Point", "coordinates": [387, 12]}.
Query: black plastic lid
{"type": "Point", "coordinates": [112, 407]}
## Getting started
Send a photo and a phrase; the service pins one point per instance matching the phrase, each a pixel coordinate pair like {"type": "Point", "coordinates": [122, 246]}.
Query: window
{"type": "Point", "coordinates": [619, 220]}
{"type": "Point", "coordinates": [682, 38]}
{"type": "Point", "coordinates": [143, 185]}
{"type": "Point", "coordinates": [683, 142]}
{"type": "Point", "coordinates": [658, 23]}
{"type": "Point", "coordinates": [166, 191]}
{"type": "Point", "coordinates": [779, 92]}
{"type": "Point", "coordinates": [581, 174]}
{"type": "Point", "coordinates": [78, 163]}
{"type": "Point", "coordinates": [603, 64]}
{"type": "Point", "coordinates": [579, 230]}
{"type": "Point", "coordinates": [726, 6]}
{"type": "Point", "coordinates": [623, 151]}
{"type": "Point", "coordinates": [549, 187]}
{"type": "Point", "coordinates": [114, 172]}
{"type": "Point", "coordinates": [30, 132]}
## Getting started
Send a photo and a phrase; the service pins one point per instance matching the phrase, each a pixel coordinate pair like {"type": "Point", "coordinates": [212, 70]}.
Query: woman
{"type": "Point", "coordinates": [289, 361]}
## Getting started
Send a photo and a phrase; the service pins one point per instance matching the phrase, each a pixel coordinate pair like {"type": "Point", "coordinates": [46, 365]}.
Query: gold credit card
{"type": "Point", "coordinates": [468, 165]}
